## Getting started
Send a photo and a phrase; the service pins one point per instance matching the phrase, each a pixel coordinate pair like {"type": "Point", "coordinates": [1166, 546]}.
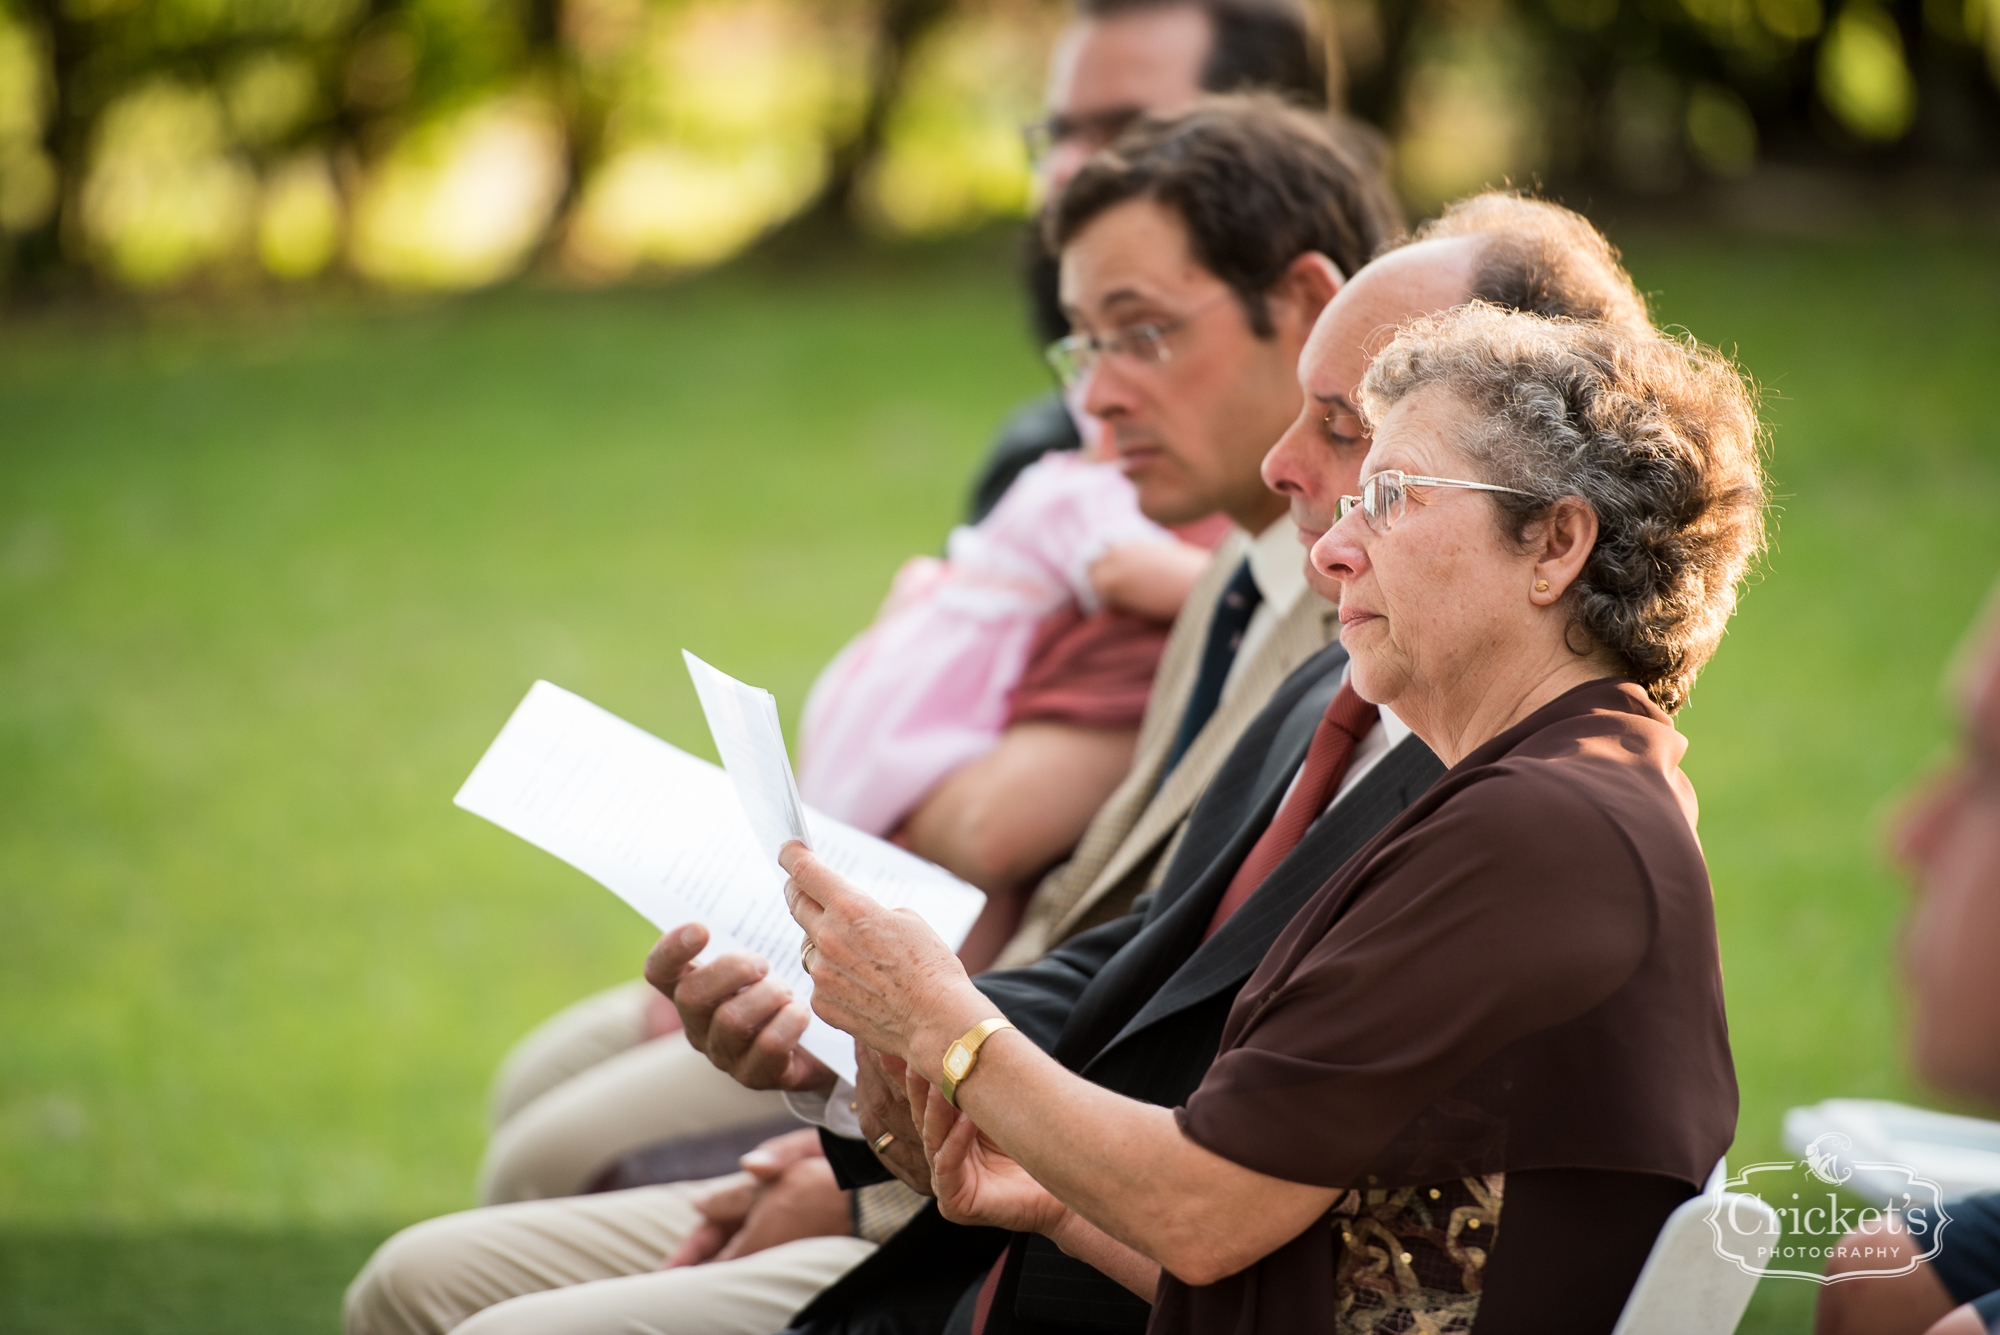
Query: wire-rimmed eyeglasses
{"type": "Point", "coordinates": [1385, 496]}
{"type": "Point", "coordinates": [1077, 356]}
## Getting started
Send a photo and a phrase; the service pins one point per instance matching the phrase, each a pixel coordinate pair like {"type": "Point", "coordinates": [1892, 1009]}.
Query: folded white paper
{"type": "Point", "coordinates": [667, 832]}
{"type": "Point", "coordinates": [744, 722]}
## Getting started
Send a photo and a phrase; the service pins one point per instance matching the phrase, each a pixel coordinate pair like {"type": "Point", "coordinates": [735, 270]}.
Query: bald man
{"type": "Point", "coordinates": [1502, 249]}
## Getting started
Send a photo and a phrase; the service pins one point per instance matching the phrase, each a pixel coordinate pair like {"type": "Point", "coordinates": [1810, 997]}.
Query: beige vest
{"type": "Point", "coordinates": [1131, 839]}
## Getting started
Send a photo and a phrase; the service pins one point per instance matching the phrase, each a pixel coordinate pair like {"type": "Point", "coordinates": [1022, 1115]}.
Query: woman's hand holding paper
{"type": "Point", "coordinates": [881, 975]}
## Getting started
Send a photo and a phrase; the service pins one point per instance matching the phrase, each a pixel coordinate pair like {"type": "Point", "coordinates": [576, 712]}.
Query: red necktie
{"type": "Point", "coordinates": [1346, 721]}
{"type": "Point", "coordinates": [982, 1306]}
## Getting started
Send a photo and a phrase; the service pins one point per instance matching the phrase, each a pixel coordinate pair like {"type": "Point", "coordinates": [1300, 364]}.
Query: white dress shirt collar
{"type": "Point", "coordinates": [1278, 565]}
{"type": "Point", "coordinates": [1392, 727]}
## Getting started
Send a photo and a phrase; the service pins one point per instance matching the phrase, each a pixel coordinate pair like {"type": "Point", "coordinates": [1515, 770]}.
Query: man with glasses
{"type": "Point", "coordinates": [1119, 60]}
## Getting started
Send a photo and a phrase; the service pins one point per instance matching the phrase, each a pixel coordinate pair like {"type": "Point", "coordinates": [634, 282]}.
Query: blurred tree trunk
{"type": "Point", "coordinates": [1373, 93]}
{"type": "Point", "coordinates": [579, 114]}
{"type": "Point", "coordinates": [48, 257]}
{"type": "Point", "coordinates": [353, 122]}
{"type": "Point", "coordinates": [899, 26]}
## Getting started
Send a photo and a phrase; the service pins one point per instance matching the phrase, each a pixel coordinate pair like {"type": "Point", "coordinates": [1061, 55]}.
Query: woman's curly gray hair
{"type": "Point", "coordinates": [1658, 436]}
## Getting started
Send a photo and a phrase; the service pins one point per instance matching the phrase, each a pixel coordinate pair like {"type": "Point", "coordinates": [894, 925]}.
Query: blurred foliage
{"type": "Point", "coordinates": [452, 143]}
{"type": "Point", "coordinates": [1650, 96]}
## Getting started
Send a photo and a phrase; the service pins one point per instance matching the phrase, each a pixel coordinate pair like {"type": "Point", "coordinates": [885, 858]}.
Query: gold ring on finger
{"type": "Point", "coordinates": [806, 952]}
{"type": "Point", "coordinates": [883, 1141]}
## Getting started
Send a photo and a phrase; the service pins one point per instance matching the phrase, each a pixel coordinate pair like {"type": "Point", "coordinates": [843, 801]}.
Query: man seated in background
{"type": "Point", "coordinates": [1948, 839]}
{"type": "Point", "coordinates": [1199, 286]}
{"type": "Point", "coordinates": [611, 1074]}
{"type": "Point", "coordinates": [1121, 59]}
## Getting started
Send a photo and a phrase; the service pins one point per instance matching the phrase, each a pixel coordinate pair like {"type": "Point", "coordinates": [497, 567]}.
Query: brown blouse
{"type": "Point", "coordinates": [1518, 975]}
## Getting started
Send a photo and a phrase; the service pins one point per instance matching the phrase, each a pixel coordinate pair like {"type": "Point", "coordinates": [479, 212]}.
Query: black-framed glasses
{"type": "Point", "coordinates": [1386, 496]}
{"type": "Point", "coordinates": [1094, 129]}
{"type": "Point", "coordinates": [1077, 356]}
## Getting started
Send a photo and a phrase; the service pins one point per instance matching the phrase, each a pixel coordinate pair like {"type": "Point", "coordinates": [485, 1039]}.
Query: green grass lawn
{"type": "Point", "coordinates": [269, 584]}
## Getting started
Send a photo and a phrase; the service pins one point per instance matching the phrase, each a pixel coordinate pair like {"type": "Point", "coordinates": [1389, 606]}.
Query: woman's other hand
{"type": "Point", "coordinates": [975, 1181]}
{"type": "Point", "coordinates": [881, 975]}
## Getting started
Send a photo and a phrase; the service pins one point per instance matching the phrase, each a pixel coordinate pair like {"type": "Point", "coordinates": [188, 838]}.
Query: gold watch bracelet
{"type": "Point", "coordinates": [963, 1055]}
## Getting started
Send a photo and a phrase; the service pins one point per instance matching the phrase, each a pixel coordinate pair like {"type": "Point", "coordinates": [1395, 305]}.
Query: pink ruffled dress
{"type": "Point", "coordinates": [925, 688]}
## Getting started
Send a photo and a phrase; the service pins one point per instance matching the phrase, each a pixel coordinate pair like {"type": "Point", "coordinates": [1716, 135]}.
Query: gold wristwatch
{"type": "Point", "coordinates": [963, 1054]}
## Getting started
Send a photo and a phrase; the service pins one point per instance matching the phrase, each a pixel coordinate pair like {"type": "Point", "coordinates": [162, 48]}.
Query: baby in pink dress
{"type": "Point", "coordinates": [927, 687]}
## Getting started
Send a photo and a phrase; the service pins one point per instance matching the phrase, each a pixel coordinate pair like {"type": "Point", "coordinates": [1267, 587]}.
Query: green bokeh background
{"type": "Point", "coordinates": [270, 582]}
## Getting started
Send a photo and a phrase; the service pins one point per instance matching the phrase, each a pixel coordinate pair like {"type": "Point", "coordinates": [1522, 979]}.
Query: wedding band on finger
{"type": "Point", "coordinates": [807, 950]}
{"type": "Point", "coordinates": [883, 1141]}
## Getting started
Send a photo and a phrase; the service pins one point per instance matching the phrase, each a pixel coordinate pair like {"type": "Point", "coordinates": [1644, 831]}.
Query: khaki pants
{"type": "Point", "coordinates": [569, 1043]}
{"type": "Point", "coordinates": [586, 1087]}
{"type": "Point", "coordinates": [584, 1266]}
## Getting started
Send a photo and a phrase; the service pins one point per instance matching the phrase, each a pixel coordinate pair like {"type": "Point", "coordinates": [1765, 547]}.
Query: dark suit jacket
{"type": "Point", "coordinates": [1137, 1006]}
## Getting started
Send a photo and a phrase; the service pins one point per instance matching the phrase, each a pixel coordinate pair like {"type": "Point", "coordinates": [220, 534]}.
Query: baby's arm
{"type": "Point", "coordinates": [1150, 579]}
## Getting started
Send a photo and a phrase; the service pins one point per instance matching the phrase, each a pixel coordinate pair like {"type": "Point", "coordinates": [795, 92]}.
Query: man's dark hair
{"type": "Point", "coordinates": [1271, 45]}
{"type": "Point", "coordinates": [1257, 184]}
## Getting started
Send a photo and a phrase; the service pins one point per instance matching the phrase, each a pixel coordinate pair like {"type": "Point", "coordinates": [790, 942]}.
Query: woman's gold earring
{"type": "Point", "coordinates": [1541, 586]}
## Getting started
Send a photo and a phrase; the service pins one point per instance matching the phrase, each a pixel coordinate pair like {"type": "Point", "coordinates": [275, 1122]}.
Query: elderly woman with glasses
{"type": "Point", "coordinates": [1484, 1063]}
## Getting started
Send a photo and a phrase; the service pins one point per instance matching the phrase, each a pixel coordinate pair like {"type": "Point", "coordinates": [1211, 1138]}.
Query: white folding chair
{"type": "Point", "coordinates": [1687, 1286]}
{"type": "Point", "coordinates": [1880, 1144]}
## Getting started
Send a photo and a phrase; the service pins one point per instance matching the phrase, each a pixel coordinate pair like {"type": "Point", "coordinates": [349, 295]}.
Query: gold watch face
{"type": "Point", "coordinates": [957, 1062]}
